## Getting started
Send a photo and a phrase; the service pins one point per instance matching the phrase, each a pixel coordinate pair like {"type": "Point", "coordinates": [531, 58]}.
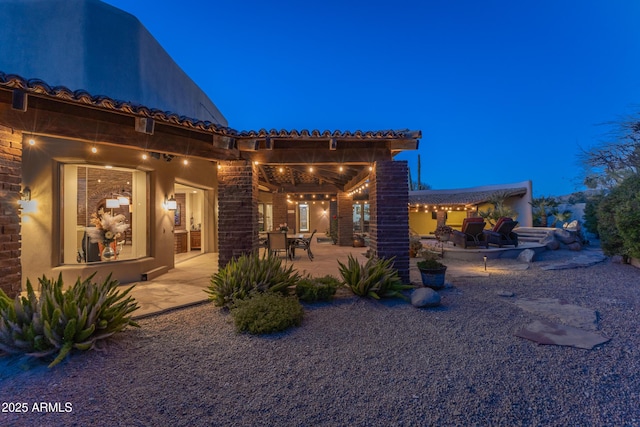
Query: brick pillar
{"type": "Point", "coordinates": [237, 210]}
{"type": "Point", "coordinates": [280, 207]}
{"type": "Point", "coordinates": [441, 218]}
{"type": "Point", "coordinates": [389, 226]}
{"type": "Point", "coordinates": [10, 186]}
{"type": "Point", "coordinates": [333, 217]}
{"type": "Point", "coordinates": [345, 219]}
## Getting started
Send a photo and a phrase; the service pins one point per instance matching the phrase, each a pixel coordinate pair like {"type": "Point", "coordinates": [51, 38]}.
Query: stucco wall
{"type": "Point", "coordinates": [90, 45]}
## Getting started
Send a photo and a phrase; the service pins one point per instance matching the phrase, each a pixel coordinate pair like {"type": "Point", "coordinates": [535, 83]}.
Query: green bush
{"type": "Point", "coordinates": [317, 289]}
{"type": "Point", "coordinates": [248, 274]}
{"type": "Point", "coordinates": [376, 279]}
{"type": "Point", "coordinates": [267, 312]}
{"type": "Point", "coordinates": [58, 322]}
{"type": "Point", "coordinates": [618, 216]}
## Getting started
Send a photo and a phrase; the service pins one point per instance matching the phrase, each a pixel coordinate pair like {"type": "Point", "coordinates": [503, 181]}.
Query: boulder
{"type": "Point", "coordinates": [425, 297]}
{"type": "Point", "coordinates": [575, 246]}
{"type": "Point", "coordinates": [550, 242]}
{"type": "Point", "coordinates": [527, 255]}
{"type": "Point", "coordinates": [565, 236]}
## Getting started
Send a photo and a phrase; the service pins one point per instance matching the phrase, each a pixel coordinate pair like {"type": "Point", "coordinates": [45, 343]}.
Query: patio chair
{"type": "Point", "coordinates": [305, 243]}
{"type": "Point", "coordinates": [277, 242]}
{"type": "Point", "coordinates": [470, 234]}
{"type": "Point", "coordinates": [502, 233]}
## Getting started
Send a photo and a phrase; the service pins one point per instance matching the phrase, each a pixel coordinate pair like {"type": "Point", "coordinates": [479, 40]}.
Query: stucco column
{"type": "Point", "coordinates": [345, 219]}
{"type": "Point", "coordinates": [10, 186]}
{"type": "Point", "coordinates": [237, 210]}
{"type": "Point", "coordinates": [389, 226]}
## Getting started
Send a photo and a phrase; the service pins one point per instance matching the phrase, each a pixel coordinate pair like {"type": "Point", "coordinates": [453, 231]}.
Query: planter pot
{"type": "Point", "coordinates": [358, 242]}
{"type": "Point", "coordinates": [433, 278]}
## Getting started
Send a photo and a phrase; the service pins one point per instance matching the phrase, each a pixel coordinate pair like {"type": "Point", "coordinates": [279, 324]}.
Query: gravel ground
{"type": "Point", "coordinates": [357, 362]}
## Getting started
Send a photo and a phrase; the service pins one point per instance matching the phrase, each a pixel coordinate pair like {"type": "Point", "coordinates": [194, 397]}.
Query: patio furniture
{"type": "Point", "coordinates": [471, 233]}
{"type": "Point", "coordinates": [277, 242]}
{"type": "Point", "coordinates": [303, 243]}
{"type": "Point", "coordinates": [502, 233]}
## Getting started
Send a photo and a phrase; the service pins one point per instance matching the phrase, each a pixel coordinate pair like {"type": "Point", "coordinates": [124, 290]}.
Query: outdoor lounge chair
{"type": "Point", "coordinates": [502, 233]}
{"type": "Point", "coordinates": [277, 242]}
{"type": "Point", "coordinates": [471, 233]}
{"type": "Point", "coordinates": [304, 243]}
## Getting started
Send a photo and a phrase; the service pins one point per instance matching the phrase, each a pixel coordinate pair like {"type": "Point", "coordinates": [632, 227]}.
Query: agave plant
{"type": "Point", "coordinates": [248, 274]}
{"type": "Point", "coordinates": [376, 278]}
{"type": "Point", "coordinates": [58, 322]}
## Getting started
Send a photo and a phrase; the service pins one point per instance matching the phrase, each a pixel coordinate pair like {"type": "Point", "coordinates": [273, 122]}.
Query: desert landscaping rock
{"type": "Point", "coordinates": [527, 255]}
{"type": "Point", "coordinates": [425, 297]}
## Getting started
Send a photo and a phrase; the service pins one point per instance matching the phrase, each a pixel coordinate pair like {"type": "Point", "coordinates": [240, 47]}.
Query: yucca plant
{"type": "Point", "coordinates": [248, 274]}
{"type": "Point", "coordinates": [58, 322]}
{"type": "Point", "coordinates": [376, 278]}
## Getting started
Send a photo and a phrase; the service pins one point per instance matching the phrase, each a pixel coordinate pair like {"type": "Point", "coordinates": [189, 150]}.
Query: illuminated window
{"type": "Point", "coordinates": [103, 193]}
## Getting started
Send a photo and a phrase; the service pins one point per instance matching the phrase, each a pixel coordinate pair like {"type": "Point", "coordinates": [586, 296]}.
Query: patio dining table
{"type": "Point", "coordinates": [291, 241]}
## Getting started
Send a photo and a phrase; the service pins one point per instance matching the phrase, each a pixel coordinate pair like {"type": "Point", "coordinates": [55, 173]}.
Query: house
{"type": "Point", "coordinates": [430, 208]}
{"type": "Point", "coordinates": [115, 127]}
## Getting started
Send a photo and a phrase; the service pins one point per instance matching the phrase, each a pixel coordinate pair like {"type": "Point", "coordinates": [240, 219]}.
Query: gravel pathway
{"type": "Point", "coordinates": [358, 362]}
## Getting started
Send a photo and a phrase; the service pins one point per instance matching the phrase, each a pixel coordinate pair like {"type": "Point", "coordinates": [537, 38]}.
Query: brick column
{"type": "Point", "coordinates": [333, 217]}
{"type": "Point", "coordinates": [280, 207]}
{"type": "Point", "coordinates": [237, 210]}
{"type": "Point", "coordinates": [389, 226]}
{"type": "Point", "coordinates": [345, 219]}
{"type": "Point", "coordinates": [10, 186]}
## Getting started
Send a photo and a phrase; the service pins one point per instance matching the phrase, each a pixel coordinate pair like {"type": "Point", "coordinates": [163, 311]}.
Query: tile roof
{"type": "Point", "coordinates": [460, 197]}
{"type": "Point", "coordinates": [39, 87]}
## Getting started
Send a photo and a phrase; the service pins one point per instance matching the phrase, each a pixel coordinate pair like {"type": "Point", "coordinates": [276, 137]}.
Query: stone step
{"type": "Point", "coordinates": [532, 234]}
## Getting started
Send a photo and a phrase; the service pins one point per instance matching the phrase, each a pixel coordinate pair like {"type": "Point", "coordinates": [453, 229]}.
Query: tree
{"type": "Point", "coordinates": [542, 209]}
{"type": "Point", "coordinates": [610, 163]}
{"type": "Point", "coordinates": [499, 209]}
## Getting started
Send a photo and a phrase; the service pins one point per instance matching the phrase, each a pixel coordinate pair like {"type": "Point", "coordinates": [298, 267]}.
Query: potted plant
{"type": "Point", "coordinates": [443, 233]}
{"type": "Point", "coordinates": [432, 271]}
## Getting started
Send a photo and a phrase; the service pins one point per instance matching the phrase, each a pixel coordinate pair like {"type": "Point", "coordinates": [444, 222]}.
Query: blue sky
{"type": "Point", "coordinates": [503, 91]}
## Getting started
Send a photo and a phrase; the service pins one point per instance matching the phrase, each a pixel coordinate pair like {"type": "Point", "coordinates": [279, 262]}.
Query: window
{"type": "Point", "coordinates": [303, 212]}
{"type": "Point", "coordinates": [265, 216]}
{"type": "Point", "coordinates": [103, 193]}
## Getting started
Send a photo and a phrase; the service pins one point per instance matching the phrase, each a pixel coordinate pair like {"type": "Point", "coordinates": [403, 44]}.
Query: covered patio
{"type": "Point", "coordinates": [235, 169]}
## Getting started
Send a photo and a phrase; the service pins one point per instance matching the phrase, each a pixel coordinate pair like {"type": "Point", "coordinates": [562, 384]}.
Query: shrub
{"type": "Point", "coordinates": [317, 289]}
{"type": "Point", "coordinates": [247, 274]}
{"type": "Point", "coordinates": [430, 261]}
{"type": "Point", "coordinates": [267, 312]}
{"type": "Point", "coordinates": [376, 279]}
{"type": "Point", "coordinates": [619, 220]}
{"type": "Point", "coordinates": [58, 322]}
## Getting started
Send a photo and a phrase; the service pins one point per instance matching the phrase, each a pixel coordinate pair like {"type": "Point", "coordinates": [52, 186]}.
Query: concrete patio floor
{"type": "Point", "coordinates": [184, 285]}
